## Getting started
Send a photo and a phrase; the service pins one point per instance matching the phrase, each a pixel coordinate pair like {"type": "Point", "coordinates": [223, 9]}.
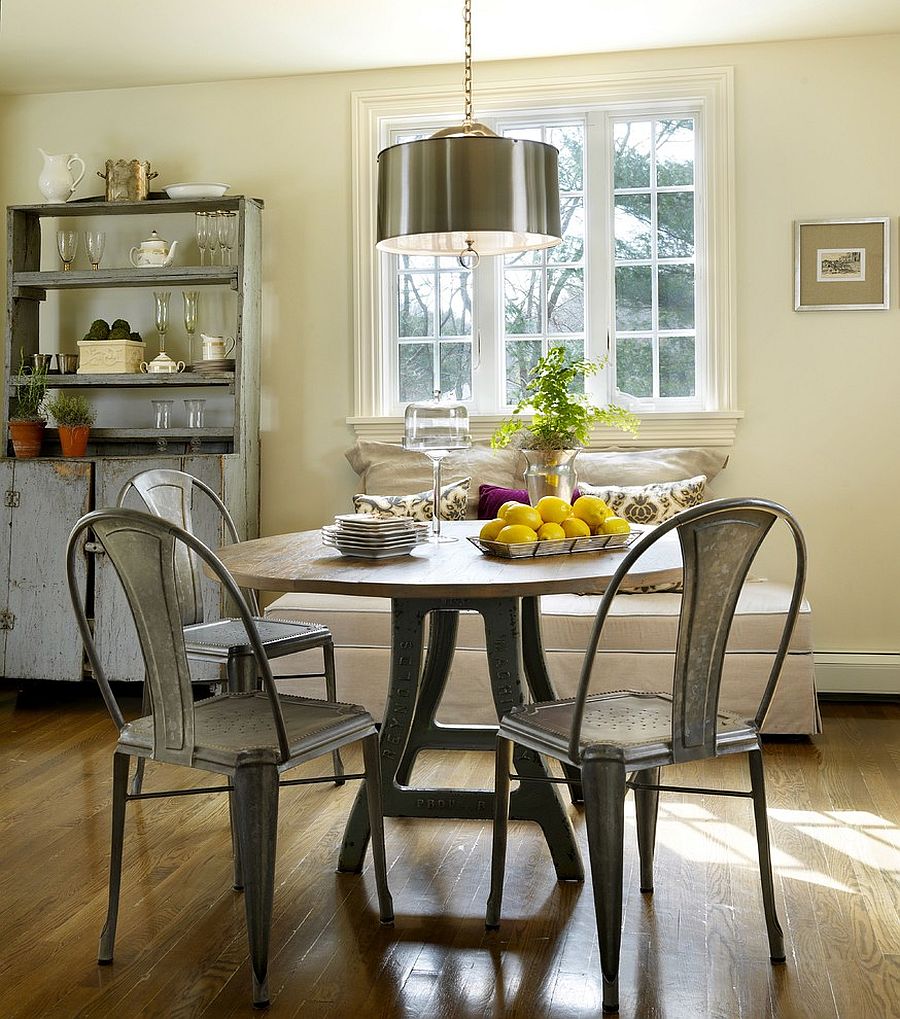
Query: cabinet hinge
{"type": "Point", "coordinates": [11, 498]}
{"type": "Point", "coordinates": [7, 620]}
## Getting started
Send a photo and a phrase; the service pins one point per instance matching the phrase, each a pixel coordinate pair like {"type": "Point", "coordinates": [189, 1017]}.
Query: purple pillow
{"type": "Point", "coordinates": [492, 497]}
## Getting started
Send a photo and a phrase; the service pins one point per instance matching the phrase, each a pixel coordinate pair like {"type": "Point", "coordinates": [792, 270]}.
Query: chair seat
{"type": "Point", "coordinates": [230, 725]}
{"type": "Point", "coordinates": [639, 723]}
{"type": "Point", "coordinates": [228, 637]}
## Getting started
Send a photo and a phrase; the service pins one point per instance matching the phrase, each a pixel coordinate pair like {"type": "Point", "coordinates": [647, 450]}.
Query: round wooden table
{"type": "Point", "coordinates": [436, 582]}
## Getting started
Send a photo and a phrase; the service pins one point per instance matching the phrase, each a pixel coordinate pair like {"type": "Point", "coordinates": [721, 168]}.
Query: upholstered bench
{"type": "Point", "coordinates": [640, 636]}
{"type": "Point", "coordinates": [637, 651]}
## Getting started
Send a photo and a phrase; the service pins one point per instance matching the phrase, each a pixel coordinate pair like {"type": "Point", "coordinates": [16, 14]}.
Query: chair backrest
{"type": "Point", "coordinates": [143, 550]}
{"type": "Point", "coordinates": [169, 494]}
{"type": "Point", "coordinates": [719, 541]}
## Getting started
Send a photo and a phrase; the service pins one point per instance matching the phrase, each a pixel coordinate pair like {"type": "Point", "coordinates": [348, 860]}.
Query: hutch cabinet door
{"type": "Point", "coordinates": [114, 629]}
{"type": "Point", "coordinates": [45, 499]}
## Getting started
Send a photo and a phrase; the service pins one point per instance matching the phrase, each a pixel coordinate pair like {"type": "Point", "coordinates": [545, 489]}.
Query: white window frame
{"type": "Point", "coordinates": [708, 91]}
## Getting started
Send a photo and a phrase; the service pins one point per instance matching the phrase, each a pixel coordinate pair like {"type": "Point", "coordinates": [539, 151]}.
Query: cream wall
{"type": "Point", "coordinates": [819, 390]}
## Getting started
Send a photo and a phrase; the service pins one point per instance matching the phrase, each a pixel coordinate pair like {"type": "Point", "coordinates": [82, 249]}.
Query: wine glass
{"type": "Point", "coordinates": [435, 428]}
{"type": "Point", "coordinates": [212, 236]}
{"type": "Point", "coordinates": [194, 412]}
{"type": "Point", "coordinates": [226, 224]}
{"type": "Point", "coordinates": [67, 244]}
{"type": "Point", "coordinates": [191, 299]}
{"type": "Point", "coordinates": [201, 225]}
{"type": "Point", "coordinates": [161, 297]}
{"type": "Point", "coordinates": [163, 411]}
{"type": "Point", "coordinates": [95, 242]}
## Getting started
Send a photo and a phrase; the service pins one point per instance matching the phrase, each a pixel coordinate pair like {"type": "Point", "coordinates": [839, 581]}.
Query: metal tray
{"type": "Point", "coordinates": [557, 546]}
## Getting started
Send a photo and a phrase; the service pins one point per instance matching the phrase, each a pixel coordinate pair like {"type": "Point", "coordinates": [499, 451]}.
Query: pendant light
{"type": "Point", "coordinates": [466, 191]}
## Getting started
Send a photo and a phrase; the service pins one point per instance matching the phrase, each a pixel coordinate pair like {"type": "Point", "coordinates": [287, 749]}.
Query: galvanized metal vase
{"type": "Point", "coordinates": [550, 472]}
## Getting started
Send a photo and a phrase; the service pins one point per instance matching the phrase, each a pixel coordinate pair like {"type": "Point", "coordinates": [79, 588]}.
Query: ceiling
{"type": "Point", "coordinates": [57, 45]}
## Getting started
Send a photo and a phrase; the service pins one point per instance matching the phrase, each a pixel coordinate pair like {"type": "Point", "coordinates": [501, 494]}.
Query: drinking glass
{"type": "Point", "coordinates": [194, 410]}
{"type": "Point", "coordinates": [163, 410]}
{"type": "Point", "coordinates": [191, 300]}
{"type": "Point", "coordinates": [201, 224]}
{"type": "Point", "coordinates": [436, 427]}
{"type": "Point", "coordinates": [161, 297]}
{"type": "Point", "coordinates": [95, 242]}
{"type": "Point", "coordinates": [212, 236]}
{"type": "Point", "coordinates": [67, 243]}
{"type": "Point", "coordinates": [226, 227]}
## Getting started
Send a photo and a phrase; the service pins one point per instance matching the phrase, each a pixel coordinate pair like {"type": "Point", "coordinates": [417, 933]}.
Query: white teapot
{"type": "Point", "coordinates": [154, 251]}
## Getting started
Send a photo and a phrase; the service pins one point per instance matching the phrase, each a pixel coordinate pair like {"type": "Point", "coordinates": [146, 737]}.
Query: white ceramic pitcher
{"type": "Point", "coordinates": [55, 182]}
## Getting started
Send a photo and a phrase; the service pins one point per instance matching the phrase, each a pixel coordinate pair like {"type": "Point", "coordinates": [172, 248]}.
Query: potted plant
{"type": "Point", "coordinates": [26, 419]}
{"type": "Point", "coordinates": [562, 416]}
{"type": "Point", "coordinates": [74, 417]}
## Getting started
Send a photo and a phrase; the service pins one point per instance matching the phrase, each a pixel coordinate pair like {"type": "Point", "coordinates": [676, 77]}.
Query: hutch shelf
{"type": "Point", "coordinates": [42, 498]}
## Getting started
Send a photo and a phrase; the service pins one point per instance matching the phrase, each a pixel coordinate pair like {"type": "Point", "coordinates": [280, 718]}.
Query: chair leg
{"type": "Point", "coordinates": [238, 875]}
{"type": "Point", "coordinates": [256, 809]}
{"type": "Point", "coordinates": [503, 760]}
{"type": "Point", "coordinates": [372, 761]}
{"type": "Point", "coordinates": [646, 803]}
{"type": "Point", "coordinates": [120, 782]}
{"type": "Point", "coordinates": [758, 786]}
{"type": "Point", "coordinates": [604, 810]}
{"type": "Point", "coordinates": [331, 694]}
{"type": "Point", "coordinates": [146, 709]}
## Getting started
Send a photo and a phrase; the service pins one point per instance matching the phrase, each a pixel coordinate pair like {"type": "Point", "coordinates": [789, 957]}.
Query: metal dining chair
{"type": "Point", "coordinates": [251, 737]}
{"type": "Point", "coordinates": [620, 740]}
{"type": "Point", "coordinates": [169, 494]}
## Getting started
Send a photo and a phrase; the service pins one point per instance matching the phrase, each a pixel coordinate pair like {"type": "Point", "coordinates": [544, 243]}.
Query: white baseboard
{"type": "Point", "coordinates": [851, 672]}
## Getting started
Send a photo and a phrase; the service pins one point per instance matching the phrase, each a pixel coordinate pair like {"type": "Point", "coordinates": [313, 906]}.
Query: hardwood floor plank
{"type": "Point", "coordinates": [695, 948]}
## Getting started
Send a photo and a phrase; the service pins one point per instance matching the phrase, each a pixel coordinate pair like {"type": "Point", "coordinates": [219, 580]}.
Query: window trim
{"type": "Point", "coordinates": [374, 112]}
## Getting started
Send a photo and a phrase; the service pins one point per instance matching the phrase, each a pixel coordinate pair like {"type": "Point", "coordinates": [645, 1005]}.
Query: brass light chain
{"type": "Point", "coordinates": [467, 80]}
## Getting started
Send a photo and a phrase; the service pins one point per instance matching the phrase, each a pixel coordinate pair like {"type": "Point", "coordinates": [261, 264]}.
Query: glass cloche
{"type": "Point", "coordinates": [435, 427]}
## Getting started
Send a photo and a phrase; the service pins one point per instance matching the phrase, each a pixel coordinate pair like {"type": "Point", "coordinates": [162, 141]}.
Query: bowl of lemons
{"type": "Point", "coordinates": [553, 527]}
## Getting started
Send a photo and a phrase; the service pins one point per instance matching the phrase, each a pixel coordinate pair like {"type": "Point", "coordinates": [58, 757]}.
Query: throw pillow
{"type": "Point", "coordinates": [492, 497]}
{"type": "Point", "coordinates": [419, 506]}
{"type": "Point", "coordinates": [647, 466]}
{"type": "Point", "coordinates": [650, 504]}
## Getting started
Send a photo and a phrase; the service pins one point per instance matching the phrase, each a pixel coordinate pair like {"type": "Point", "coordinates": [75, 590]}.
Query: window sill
{"type": "Point", "coordinates": [693, 428]}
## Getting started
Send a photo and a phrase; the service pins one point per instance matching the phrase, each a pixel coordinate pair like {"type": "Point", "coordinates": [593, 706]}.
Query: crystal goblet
{"type": "Point", "coordinates": [67, 245]}
{"type": "Point", "coordinates": [95, 242]}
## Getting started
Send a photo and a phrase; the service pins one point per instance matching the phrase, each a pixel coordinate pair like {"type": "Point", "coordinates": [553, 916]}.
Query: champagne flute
{"type": "Point", "coordinates": [191, 299]}
{"type": "Point", "coordinates": [226, 223]}
{"type": "Point", "coordinates": [161, 297]}
{"type": "Point", "coordinates": [212, 238]}
{"type": "Point", "coordinates": [201, 224]}
{"type": "Point", "coordinates": [95, 242]}
{"type": "Point", "coordinates": [67, 244]}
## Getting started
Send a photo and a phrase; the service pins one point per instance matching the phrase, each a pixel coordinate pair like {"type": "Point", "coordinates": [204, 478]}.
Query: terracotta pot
{"type": "Point", "coordinates": [27, 437]}
{"type": "Point", "coordinates": [74, 439]}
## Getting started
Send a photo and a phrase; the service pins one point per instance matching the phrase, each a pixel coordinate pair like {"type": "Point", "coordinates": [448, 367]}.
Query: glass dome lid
{"type": "Point", "coordinates": [438, 423]}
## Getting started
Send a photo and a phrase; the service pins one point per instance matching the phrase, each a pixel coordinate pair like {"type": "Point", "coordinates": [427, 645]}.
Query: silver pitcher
{"type": "Point", "coordinates": [127, 180]}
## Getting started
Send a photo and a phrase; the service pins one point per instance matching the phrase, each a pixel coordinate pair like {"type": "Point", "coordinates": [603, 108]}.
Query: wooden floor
{"type": "Point", "coordinates": [696, 948]}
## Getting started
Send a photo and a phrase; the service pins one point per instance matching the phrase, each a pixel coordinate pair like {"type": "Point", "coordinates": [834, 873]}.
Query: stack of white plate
{"type": "Point", "coordinates": [365, 536]}
{"type": "Point", "coordinates": [216, 366]}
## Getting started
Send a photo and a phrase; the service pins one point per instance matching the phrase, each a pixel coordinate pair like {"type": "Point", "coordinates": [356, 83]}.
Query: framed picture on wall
{"type": "Point", "coordinates": [842, 264]}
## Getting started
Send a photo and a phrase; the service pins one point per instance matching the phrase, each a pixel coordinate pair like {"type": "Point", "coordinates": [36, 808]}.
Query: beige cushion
{"type": "Point", "coordinates": [650, 504]}
{"type": "Point", "coordinates": [389, 469]}
{"type": "Point", "coordinates": [646, 622]}
{"type": "Point", "coordinates": [418, 506]}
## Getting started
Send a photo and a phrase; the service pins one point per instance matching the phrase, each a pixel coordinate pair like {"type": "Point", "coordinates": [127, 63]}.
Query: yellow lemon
{"type": "Point", "coordinates": [516, 534]}
{"type": "Point", "coordinates": [592, 510]}
{"type": "Point", "coordinates": [553, 510]}
{"type": "Point", "coordinates": [522, 514]}
{"type": "Point", "coordinates": [501, 513]}
{"type": "Point", "coordinates": [575, 528]}
{"type": "Point", "coordinates": [491, 529]}
{"type": "Point", "coordinates": [550, 532]}
{"type": "Point", "coordinates": [615, 525]}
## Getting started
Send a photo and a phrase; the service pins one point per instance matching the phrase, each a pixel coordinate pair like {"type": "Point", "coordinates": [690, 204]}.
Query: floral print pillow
{"type": "Point", "coordinates": [454, 499]}
{"type": "Point", "coordinates": [650, 504]}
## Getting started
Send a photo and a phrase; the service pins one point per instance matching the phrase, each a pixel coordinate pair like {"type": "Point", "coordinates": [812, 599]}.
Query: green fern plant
{"type": "Point", "coordinates": [561, 418]}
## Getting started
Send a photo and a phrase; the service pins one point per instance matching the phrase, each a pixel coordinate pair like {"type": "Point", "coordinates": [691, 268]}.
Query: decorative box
{"type": "Point", "coordinates": [109, 357]}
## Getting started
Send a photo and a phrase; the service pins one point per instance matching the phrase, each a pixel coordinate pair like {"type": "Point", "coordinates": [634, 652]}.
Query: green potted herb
{"type": "Point", "coordinates": [26, 419]}
{"type": "Point", "coordinates": [74, 416]}
{"type": "Point", "coordinates": [562, 416]}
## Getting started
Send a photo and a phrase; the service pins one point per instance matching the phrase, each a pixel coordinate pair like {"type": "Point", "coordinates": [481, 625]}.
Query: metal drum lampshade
{"type": "Point", "coordinates": [469, 193]}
